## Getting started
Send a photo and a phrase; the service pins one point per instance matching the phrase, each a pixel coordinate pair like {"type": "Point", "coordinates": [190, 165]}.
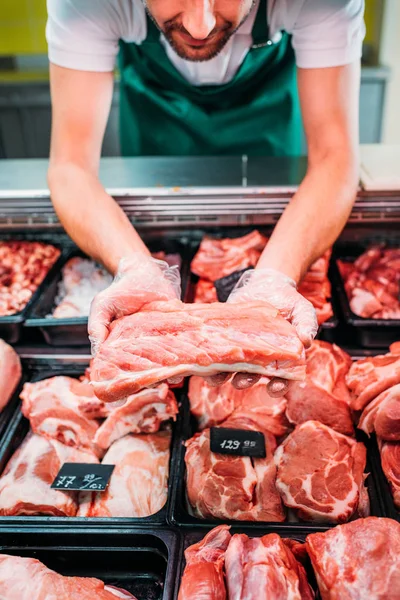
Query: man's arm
{"type": "Point", "coordinates": [81, 103]}
{"type": "Point", "coordinates": [319, 210]}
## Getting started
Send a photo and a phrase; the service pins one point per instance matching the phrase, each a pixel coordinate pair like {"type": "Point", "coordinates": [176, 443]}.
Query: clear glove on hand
{"type": "Point", "coordinates": [269, 285]}
{"type": "Point", "coordinates": [140, 279]}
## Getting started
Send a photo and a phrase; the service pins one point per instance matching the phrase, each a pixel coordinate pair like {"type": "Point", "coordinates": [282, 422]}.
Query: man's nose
{"type": "Point", "coordinates": [198, 18]}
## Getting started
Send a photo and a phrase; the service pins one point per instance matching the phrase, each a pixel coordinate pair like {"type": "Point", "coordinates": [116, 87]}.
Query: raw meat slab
{"type": "Point", "coordinates": [390, 458]}
{"type": "Point", "coordinates": [382, 415]}
{"type": "Point", "coordinates": [171, 339]}
{"type": "Point", "coordinates": [10, 373]}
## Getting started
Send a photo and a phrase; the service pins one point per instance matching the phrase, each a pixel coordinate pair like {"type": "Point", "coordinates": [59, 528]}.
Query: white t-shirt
{"type": "Point", "coordinates": [84, 35]}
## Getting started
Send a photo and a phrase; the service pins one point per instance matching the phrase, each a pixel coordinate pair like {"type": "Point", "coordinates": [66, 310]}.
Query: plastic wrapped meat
{"type": "Point", "coordinates": [10, 373]}
{"type": "Point", "coordinates": [357, 561]}
{"type": "Point", "coordinates": [25, 483]}
{"type": "Point", "coordinates": [203, 577]}
{"type": "Point", "coordinates": [372, 283]}
{"type": "Point", "coordinates": [139, 484]}
{"type": "Point", "coordinates": [82, 280]}
{"type": "Point", "coordinates": [23, 267]}
{"type": "Point", "coordinates": [29, 579]}
{"type": "Point", "coordinates": [320, 474]}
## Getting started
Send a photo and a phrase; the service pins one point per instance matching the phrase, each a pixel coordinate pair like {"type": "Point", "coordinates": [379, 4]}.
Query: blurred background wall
{"type": "Point", "coordinates": [25, 113]}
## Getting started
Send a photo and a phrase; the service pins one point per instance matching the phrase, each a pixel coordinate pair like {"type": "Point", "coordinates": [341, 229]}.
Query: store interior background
{"type": "Point", "coordinates": [25, 113]}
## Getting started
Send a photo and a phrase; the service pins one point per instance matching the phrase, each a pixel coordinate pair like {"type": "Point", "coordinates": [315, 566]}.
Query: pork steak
{"type": "Point", "coordinates": [10, 373]}
{"type": "Point", "coordinates": [358, 561]}
{"type": "Point", "coordinates": [320, 474]}
{"type": "Point", "coordinates": [382, 415]}
{"type": "Point", "coordinates": [390, 459]}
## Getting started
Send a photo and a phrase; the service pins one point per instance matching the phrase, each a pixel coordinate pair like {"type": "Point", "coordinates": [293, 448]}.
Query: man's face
{"type": "Point", "coordinates": [198, 29]}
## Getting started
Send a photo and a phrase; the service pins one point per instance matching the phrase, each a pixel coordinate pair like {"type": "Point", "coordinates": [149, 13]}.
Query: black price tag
{"type": "Point", "coordinates": [225, 285]}
{"type": "Point", "coordinates": [83, 477]}
{"type": "Point", "coordinates": [238, 442]}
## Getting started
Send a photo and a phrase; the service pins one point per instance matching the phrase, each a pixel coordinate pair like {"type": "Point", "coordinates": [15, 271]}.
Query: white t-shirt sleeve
{"type": "Point", "coordinates": [326, 33]}
{"type": "Point", "coordinates": [84, 34]}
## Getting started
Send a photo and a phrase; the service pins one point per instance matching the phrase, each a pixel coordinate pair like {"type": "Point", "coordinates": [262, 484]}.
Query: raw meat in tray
{"type": "Point", "coordinates": [10, 373]}
{"type": "Point", "coordinates": [172, 339]}
{"type": "Point", "coordinates": [390, 459]}
{"type": "Point", "coordinates": [29, 579]}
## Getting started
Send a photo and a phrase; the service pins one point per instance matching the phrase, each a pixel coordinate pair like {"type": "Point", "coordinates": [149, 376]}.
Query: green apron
{"type": "Point", "coordinates": [256, 113]}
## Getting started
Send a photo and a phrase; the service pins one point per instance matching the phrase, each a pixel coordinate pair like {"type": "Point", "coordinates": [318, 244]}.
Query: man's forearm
{"type": "Point", "coordinates": [91, 217]}
{"type": "Point", "coordinates": [315, 216]}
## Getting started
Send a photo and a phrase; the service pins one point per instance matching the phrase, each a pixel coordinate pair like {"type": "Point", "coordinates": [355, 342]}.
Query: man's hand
{"type": "Point", "coordinates": [140, 279]}
{"type": "Point", "coordinates": [269, 285]}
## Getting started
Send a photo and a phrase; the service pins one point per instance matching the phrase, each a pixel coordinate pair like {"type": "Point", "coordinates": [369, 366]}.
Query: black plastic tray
{"type": "Point", "coordinates": [11, 325]}
{"type": "Point", "coordinates": [327, 331]}
{"type": "Point", "coordinates": [368, 333]}
{"type": "Point", "coordinates": [73, 331]}
{"type": "Point", "coordinates": [389, 507]}
{"type": "Point", "coordinates": [180, 516]}
{"type": "Point", "coordinates": [140, 561]}
{"type": "Point", "coordinates": [15, 434]}
{"type": "Point", "coordinates": [193, 536]}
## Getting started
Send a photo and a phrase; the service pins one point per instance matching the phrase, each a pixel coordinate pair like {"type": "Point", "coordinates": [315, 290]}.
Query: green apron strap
{"type": "Point", "coordinates": [260, 31]}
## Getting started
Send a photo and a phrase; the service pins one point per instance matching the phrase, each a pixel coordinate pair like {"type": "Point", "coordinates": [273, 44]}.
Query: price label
{"type": "Point", "coordinates": [83, 477]}
{"type": "Point", "coordinates": [238, 442]}
{"type": "Point", "coordinates": [225, 285]}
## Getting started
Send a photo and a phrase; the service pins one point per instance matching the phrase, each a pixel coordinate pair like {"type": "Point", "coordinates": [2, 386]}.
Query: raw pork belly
{"type": "Point", "coordinates": [203, 578]}
{"type": "Point", "coordinates": [139, 484]}
{"type": "Point", "coordinates": [323, 396]}
{"type": "Point", "coordinates": [239, 488]}
{"type": "Point", "coordinates": [390, 458]}
{"type": "Point", "coordinates": [217, 258]}
{"type": "Point", "coordinates": [141, 413]}
{"type": "Point", "coordinates": [58, 408]}
{"type": "Point", "coordinates": [28, 579]}
{"type": "Point", "coordinates": [81, 280]}
{"type": "Point", "coordinates": [382, 415]}
{"type": "Point", "coordinates": [10, 373]}
{"type": "Point", "coordinates": [212, 405]}
{"type": "Point", "coordinates": [170, 339]}
{"type": "Point", "coordinates": [264, 569]}
{"type": "Point", "coordinates": [25, 483]}
{"type": "Point", "coordinates": [358, 561]}
{"type": "Point", "coordinates": [321, 474]}
{"type": "Point", "coordinates": [373, 375]}
{"type": "Point", "coordinates": [372, 283]}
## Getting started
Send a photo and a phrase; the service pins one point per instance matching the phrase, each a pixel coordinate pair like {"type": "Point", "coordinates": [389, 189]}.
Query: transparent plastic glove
{"type": "Point", "coordinates": [279, 290]}
{"type": "Point", "coordinates": [140, 279]}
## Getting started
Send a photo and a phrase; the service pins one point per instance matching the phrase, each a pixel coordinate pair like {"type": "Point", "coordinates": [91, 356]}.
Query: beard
{"type": "Point", "coordinates": [214, 44]}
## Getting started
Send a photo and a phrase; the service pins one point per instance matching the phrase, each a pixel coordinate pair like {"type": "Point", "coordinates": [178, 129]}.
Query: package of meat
{"type": "Point", "coordinates": [367, 280]}
{"type": "Point", "coordinates": [26, 267]}
{"type": "Point", "coordinates": [129, 564]}
{"type": "Point", "coordinates": [61, 313]}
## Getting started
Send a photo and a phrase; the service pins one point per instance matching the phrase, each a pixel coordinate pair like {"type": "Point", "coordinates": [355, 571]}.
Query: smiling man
{"type": "Point", "coordinates": [208, 77]}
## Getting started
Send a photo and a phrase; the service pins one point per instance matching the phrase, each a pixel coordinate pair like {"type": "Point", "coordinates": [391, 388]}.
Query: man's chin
{"type": "Point", "coordinates": [198, 53]}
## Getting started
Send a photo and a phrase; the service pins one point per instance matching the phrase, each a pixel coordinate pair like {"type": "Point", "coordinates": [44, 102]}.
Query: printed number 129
{"type": "Point", "coordinates": [230, 444]}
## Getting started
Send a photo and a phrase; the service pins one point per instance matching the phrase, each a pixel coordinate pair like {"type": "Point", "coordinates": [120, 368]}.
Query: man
{"type": "Point", "coordinates": [207, 77]}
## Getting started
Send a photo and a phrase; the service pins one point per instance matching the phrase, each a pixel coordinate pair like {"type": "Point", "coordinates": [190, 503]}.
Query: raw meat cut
{"type": "Point", "coordinates": [212, 405]}
{"type": "Point", "coordinates": [323, 396]}
{"type": "Point", "coordinates": [231, 487]}
{"type": "Point", "coordinates": [58, 408]}
{"type": "Point", "coordinates": [141, 413]}
{"type": "Point", "coordinates": [170, 339]}
{"type": "Point", "coordinates": [139, 484]}
{"type": "Point", "coordinates": [10, 373]}
{"type": "Point", "coordinates": [390, 459]}
{"type": "Point", "coordinates": [24, 265]}
{"type": "Point", "coordinates": [81, 280]}
{"type": "Point", "coordinates": [358, 561]}
{"type": "Point", "coordinates": [29, 579]}
{"type": "Point", "coordinates": [382, 415]}
{"type": "Point", "coordinates": [372, 283]}
{"type": "Point", "coordinates": [205, 292]}
{"type": "Point", "coordinates": [264, 569]}
{"type": "Point", "coordinates": [203, 577]}
{"type": "Point", "coordinates": [25, 483]}
{"type": "Point", "coordinates": [320, 473]}
{"type": "Point", "coordinates": [369, 377]}
{"type": "Point", "coordinates": [316, 287]}
{"type": "Point", "coordinates": [217, 258]}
